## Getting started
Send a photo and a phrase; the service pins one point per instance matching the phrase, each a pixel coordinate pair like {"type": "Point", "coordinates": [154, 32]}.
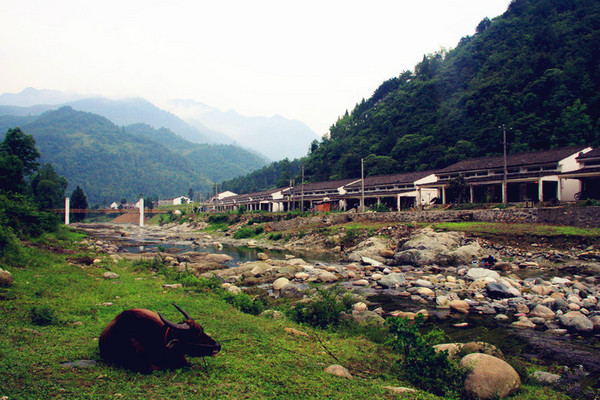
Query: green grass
{"type": "Point", "coordinates": [259, 360]}
{"type": "Point", "coordinates": [519, 229]}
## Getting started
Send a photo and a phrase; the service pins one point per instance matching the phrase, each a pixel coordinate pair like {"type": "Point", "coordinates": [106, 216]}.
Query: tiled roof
{"type": "Point", "coordinates": [405, 178]}
{"type": "Point", "coordinates": [513, 160]}
{"type": "Point", "coordinates": [327, 185]}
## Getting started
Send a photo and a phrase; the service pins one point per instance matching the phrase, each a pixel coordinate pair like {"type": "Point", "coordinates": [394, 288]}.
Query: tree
{"type": "Point", "coordinates": [191, 194]}
{"type": "Point", "coordinates": [22, 146]}
{"type": "Point", "coordinates": [79, 202]}
{"type": "Point", "coordinates": [11, 174]}
{"type": "Point", "coordinates": [48, 187]}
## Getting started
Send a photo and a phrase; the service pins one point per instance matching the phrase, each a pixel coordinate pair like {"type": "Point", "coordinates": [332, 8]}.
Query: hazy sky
{"type": "Point", "coordinates": [306, 60]}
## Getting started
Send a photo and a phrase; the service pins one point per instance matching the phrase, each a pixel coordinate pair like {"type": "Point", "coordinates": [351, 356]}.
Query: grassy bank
{"type": "Point", "coordinates": [59, 305]}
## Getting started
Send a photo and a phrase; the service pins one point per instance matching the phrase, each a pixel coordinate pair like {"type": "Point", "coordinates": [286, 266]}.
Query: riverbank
{"type": "Point", "coordinates": [546, 297]}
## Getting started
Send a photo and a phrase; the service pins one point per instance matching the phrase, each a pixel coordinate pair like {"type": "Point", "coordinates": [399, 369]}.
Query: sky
{"type": "Point", "coordinates": [310, 60]}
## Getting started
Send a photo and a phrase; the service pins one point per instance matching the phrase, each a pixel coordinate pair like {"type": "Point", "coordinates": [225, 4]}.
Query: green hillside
{"type": "Point", "coordinates": [534, 69]}
{"type": "Point", "coordinates": [216, 161]}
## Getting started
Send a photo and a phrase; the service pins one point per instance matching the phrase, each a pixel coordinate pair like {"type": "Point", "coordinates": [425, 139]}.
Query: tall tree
{"type": "Point", "coordinates": [48, 187]}
{"type": "Point", "coordinates": [78, 201]}
{"type": "Point", "coordinates": [22, 146]}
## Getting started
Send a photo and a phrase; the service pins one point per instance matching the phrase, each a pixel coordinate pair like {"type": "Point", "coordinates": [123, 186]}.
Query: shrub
{"type": "Point", "coordinates": [324, 309]}
{"type": "Point", "coordinates": [43, 316]}
{"type": "Point", "coordinates": [275, 236]}
{"type": "Point", "coordinates": [379, 207]}
{"type": "Point", "coordinates": [420, 363]}
{"type": "Point", "coordinates": [244, 233]}
{"type": "Point", "coordinates": [245, 303]}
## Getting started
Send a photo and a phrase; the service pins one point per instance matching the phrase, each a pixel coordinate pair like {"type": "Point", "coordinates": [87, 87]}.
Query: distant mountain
{"type": "Point", "coordinates": [275, 137]}
{"type": "Point", "coordinates": [122, 112]}
{"type": "Point", "coordinates": [111, 162]}
{"type": "Point", "coordinates": [32, 97]}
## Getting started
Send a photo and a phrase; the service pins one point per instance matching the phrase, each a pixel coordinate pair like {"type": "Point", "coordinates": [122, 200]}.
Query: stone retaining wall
{"type": "Point", "coordinates": [572, 216]}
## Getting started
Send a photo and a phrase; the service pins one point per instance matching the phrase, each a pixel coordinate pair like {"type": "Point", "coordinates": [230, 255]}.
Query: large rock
{"type": "Point", "coordinates": [280, 283]}
{"type": "Point", "coordinates": [541, 311]}
{"type": "Point", "coordinates": [481, 273]}
{"type": "Point", "coordinates": [392, 280]}
{"type": "Point", "coordinates": [489, 377]}
{"type": "Point", "coordinates": [499, 290]}
{"type": "Point", "coordinates": [460, 306]}
{"type": "Point", "coordinates": [6, 278]}
{"type": "Point", "coordinates": [462, 349]}
{"type": "Point", "coordinates": [465, 254]}
{"type": "Point", "coordinates": [576, 321]}
{"type": "Point", "coordinates": [338, 370]}
{"type": "Point", "coordinates": [370, 250]}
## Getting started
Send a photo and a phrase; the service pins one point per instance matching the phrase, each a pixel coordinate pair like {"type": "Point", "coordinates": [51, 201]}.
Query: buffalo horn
{"type": "Point", "coordinates": [186, 315]}
{"type": "Point", "coordinates": [171, 324]}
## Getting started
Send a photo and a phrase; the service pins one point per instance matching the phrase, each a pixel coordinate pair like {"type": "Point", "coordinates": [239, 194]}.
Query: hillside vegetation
{"type": "Point", "coordinates": [533, 69]}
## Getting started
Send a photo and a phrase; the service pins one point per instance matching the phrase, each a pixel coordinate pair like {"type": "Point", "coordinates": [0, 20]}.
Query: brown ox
{"type": "Point", "coordinates": [144, 341]}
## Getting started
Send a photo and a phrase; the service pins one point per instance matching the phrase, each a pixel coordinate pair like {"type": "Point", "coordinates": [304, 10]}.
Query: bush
{"type": "Point", "coordinates": [274, 236]}
{"type": "Point", "coordinates": [379, 207]}
{"type": "Point", "coordinates": [244, 233]}
{"type": "Point", "coordinates": [43, 316]}
{"type": "Point", "coordinates": [324, 309]}
{"type": "Point", "coordinates": [245, 303]}
{"type": "Point", "coordinates": [421, 364]}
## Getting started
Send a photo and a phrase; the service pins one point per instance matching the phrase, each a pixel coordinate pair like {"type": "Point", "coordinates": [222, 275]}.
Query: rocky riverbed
{"type": "Point", "coordinates": [547, 297]}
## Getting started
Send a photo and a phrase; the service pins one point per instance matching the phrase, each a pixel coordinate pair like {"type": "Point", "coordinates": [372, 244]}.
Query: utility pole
{"type": "Point", "coordinates": [302, 195]}
{"type": "Point", "coordinates": [362, 180]}
{"type": "Point", "coordinates": [505, 181]}
{"type": "Point", "coordinates": [216, 196]}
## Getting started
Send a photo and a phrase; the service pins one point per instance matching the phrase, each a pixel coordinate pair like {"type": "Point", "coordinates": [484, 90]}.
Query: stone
{"type": "Point", "coordinates": [489, 377]}
{"type": "Point", "coordinates": [462, 349]}
{"type": "Point", "coordinates": [481, 273]}
{"type": "Point", "coordinates": [217, 246]}
{"type": "Point", "coordinates": [545, 377]}
{"type": "Point", "coordinates": [272, 314]}
{"type": "Point", "coordinates": [523, 322]}
{"type": "Point", "coordinates": [392, 280]}
{"type": "Point", "coordinates": [459, 306]}
{"type": "Point", "coordinates": [574, 320]}
{"type": "Point", "coordinates": [399, 389]}
{"type": "Point", "coordinates": [425, 292]}
{"type": "Point", "coordinates": [360, 306]}
{"type": "Point", "coordinates": [542, 290]}
{"type": "Point", "coordinates": [6, 278]}
{"type": "Point", "coordinates": [423, 283]}
{"type": "Point", "coordinates": [110, 275]}
{"type": "Point", "coordinates": [595, 322]}
{"type": "Point", "coordinates": [280, 283]}
{"type": "Point", "coordinates": [376, 277]}
{"type": "Point", "coordinates": [302, 276]}
{"type": "Point", "coordinates": [326, 276]}
{"type": "Point", "coordinates": [338, 370]}
{"type": "Point", "coordinates": [262, 256]}
{"type": "Point", "coordinates": [296, 332]}
{"type": "Point", "coordinates": [233, 289]}
{"type": "Point", "coordinates": [499, 290]}
{"type": "Point", "coordinates": [361, 282]}
{"type": "Point", "coordinates": [541, 311]}
{"type": "Point", "coordinates": [172, 286]}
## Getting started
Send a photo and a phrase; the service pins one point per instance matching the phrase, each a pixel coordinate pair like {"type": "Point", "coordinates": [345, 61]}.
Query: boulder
{"type": "Point", "coordinates": [338, 370]}
{"type": "Point", "coordinates": [291, 291]}
{"type": "Point", "coordinates": [545, 377]}
{"type": "Point", "coordinates": [233, 289]}
{"type": "Point", "coordinates": [541, 311]}
{"type": "Point", "coordinates": [465, 254]}
{"type": "Point", "coordinates": [392, 280]}
{"type": "Point", "coordinates": [489, 377]}
{"type": "Point", "coordinates": [280, 283]}
{"type": "Point", "coordinates": [499, 290]}
{"type": "Point", "coordinates": [576, 321]}
{"type": "Point", "coordinates": [361, 282]}
{"type": "Point", "coordinates": [6, 278]}
{"type": "Point", "coordinates": [481, 273]}
{"type": "Point", "coordinates": [110, 275]}
{"type": "Point", "coordinates": [462, 349]}
{"type": "Point", "coordinates": [523, 322]}
{"type": "Point", "coordinates": [272, 314]}
{"type": "Point", "coordinates": [460, 306]}
{"type": "Point", "coordinates": [262, 256]}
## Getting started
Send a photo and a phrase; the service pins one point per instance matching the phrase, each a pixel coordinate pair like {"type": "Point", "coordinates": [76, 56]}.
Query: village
{"type": "Point", "coordinates": [551, 176]}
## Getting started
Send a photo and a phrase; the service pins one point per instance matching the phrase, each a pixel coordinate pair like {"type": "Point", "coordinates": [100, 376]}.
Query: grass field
{"type": "Point", "coordinates": [57, 308]}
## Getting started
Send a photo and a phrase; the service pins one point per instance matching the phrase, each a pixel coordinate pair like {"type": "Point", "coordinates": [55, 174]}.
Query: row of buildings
{"type": "Point", "coordinates": [565, 174]}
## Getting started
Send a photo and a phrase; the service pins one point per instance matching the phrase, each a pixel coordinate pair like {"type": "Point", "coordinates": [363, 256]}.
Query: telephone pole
{"type": "Point", "coordinates": [505, 180]}
{"type": "Point", "coordinates": [302, 195]}
{"type": "Point", "coordinates": [362, 181]}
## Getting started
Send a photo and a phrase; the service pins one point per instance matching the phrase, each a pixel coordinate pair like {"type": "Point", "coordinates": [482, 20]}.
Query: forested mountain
{"type": "Point", "coordinates": [216, 161]}
{"type": "Point", "coordinates": [111, 163]}
{"type": "Point", "coordinates": [534, 69]}
{"type": "Point", "coordinates": [274, 175]}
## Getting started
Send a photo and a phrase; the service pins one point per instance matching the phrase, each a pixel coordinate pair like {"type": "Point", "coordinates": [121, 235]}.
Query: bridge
{"type": "Point", "coordinates": [67, 211]}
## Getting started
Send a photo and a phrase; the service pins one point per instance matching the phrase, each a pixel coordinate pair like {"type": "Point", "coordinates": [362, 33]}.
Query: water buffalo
{"type": "Point", "coordinates": [144, 341]}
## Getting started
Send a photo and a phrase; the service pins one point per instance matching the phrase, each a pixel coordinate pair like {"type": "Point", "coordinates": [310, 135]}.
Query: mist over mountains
{"type": "Point", "coordinates": [275, 138]}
